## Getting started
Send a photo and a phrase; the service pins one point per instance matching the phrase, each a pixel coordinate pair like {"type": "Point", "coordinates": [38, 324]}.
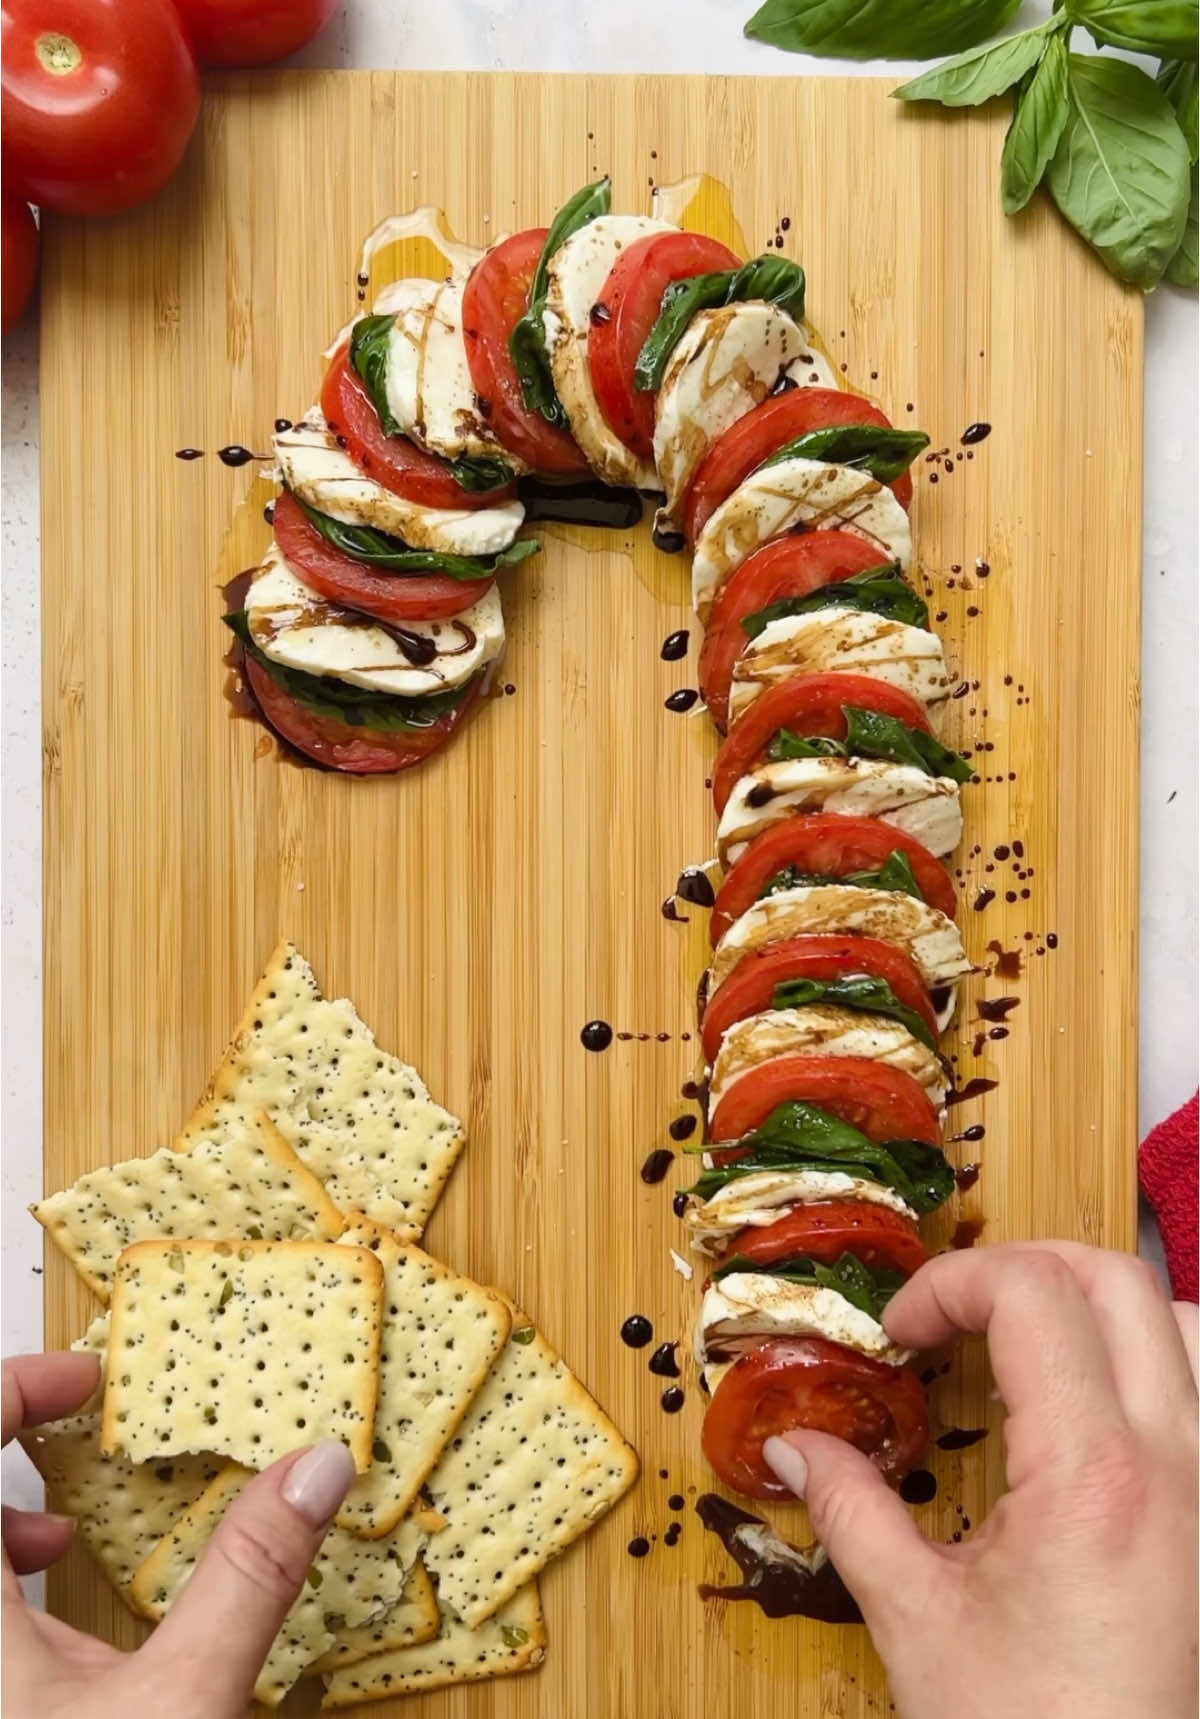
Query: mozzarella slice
{"type": "Point", "coordinates": [795, 495]}
{"type": "Point", "coordinates": [848, 641]}
{"type": "Point", "coordinates": [823, 1029]}
{"type": "Point", "coordinates": [726, 362]}
{"type": "Point", "coordinates": [923, 806]}
{"type": "Point", "coordinates": [756, 1304]}
{"type": "Point", "coordinates": [292, 625]}
{"type": "Point", "coordinates": [576, 276]}
{"type": "Point", "coordinates": [755, 1201]}
{"type": "Point", "coordinates": [319, 472]}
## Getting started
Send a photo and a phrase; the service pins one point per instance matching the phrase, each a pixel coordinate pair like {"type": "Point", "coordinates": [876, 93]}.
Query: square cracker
{"type": "Point", "coordinates": [441, 1334]}
{"type": "Point", "coordinates": [241, 1179]}
{"type": "Point", "coordinates": [513, 1640]}
{"type": "Point", "coordinates": [352, 1582]}
{"type": "Point", "coordinates": [248, 1349]}
{"type": "Point", "coordinates": [533, 1465]}
{"type": "Point", "coordinates": [363, 1121]}
{"type": "Point", "coordinates": [413, 1619]}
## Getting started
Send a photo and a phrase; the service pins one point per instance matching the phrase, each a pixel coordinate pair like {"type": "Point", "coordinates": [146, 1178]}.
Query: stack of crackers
{"type": "Point", "coordinates": [264, 1289]}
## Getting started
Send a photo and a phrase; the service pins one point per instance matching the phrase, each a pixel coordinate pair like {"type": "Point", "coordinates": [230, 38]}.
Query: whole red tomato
{"type": "Point", "coordinates": [252, 32]}
{"type": "Point", "coordinates": [20, 243]}
{"type": "Point", "coordinates": [100, 98]}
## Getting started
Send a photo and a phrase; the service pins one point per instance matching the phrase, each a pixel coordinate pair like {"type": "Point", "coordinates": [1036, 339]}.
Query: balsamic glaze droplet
{"type": "Point", "coordinates": [675, 1501]}
{"type": "Point", "coordinates": [679, 1203]}
{"type": "Point", "coordinates": [672, 1400]}
{"type": "Point", "coordinates": [695, 886]}
{"type": "Point", "coordinates": [682, 1127]}
{"type": "Point", "coordinates": [269, 513]}
{"type": "Point", "coordinates": [282, 424]}
{"type": "Point", "coordinates": [657, 1165]}
{"type": "Point", "coordinates": [983, 898]}
{"type": "Point", "coordinates": [637, 1331]}
{"type": "Point", "coordinates": [189, 453]}
{"type": "Point", "coordinates": [975, 1132]}
{"type": "Point", "coordinates": [667, 542]}
{"type": "Point", "coordinates": [670, 911]}
{"type": "Point", "coordinates": [596, 1036]}
{"type": "Point", "coordinates": [782, 1586]}
{"type": "Point", "coordinates": [236, 455]}
{"type": "Point", "coordinates": [918, 1487]}
{"type": "Point", "coordinates": [975, 433]}
{"type": "Point", "coordinates": [966, 1177]}
{"type": "Point", "coordinates": [997, 1008]}
{"type": "Point", "coordinates": [682, 700]}
{"type": "Point", "coordinates": [599, 315]}
{"type": "Point", "coordinates": [973, 1089]}
{"type": "Point", "coordinates": [671, 1537]}
{"type": "Point", "coordinates": [664, 1364]}
{"type": "Point", "coordinates": [674, 646]}
{"type": "Point", "coordinates": [588, 503]}
{"type": "Point", "coordinates": [761, 794]}
{"type": "Point", "coordinates": [961, 1438]}
{"type": "Point", "coordinates": [637, 1548]}
{"type": "Point", "coordinates": [417, 647]}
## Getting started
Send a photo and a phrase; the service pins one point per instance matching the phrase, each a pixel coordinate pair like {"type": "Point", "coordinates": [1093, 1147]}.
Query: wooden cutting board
{"type": "Point", "coordinates": [481, 910]}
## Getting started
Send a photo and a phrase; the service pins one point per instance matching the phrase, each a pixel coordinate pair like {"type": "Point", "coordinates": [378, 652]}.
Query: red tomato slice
{"type": "Point", "coordinates": [794, 1382]}
{"type": "Point", "coordinates": [828, 844]}
{"type": "Point", "coordinates": [881, 1102]}
{"type": "Point", "coordinates": [751, 984]}
{"type": "Point", "coordinates": [393, 461]}
{"type": "Point", "coordinates": [790, 567]}
{"type": "Point", "coordinates": [826, 1229]}
{"type": "Point", "coordinates": [810, 705]}
{"type": "Point", "coordinates": [340, 745]}
{"type": "Point", "coordinates": [623, 316]}
{"type": "Point", "coordinates": [357, 585]}
{"type": "Point", "coordinates": [757, 435]}
{"type": "Point", "coordinates": [494, 300]}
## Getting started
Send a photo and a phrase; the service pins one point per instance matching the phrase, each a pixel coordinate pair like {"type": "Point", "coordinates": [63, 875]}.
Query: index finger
{"type": "Point", "coordinates": [39, 1388]}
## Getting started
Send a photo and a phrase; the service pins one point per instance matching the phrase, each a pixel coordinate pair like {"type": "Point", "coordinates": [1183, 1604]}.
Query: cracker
{"type": "Point", "coordinates": [513, 1640]}
{"type": "Point", "coordinates": [534, 1464]}
{"type": "Point", "coordinates": [248, 1349]}
{"type": "Point", "coordinates": [241, 1179]}
{"type": "Point", "coordinates": [441, 1334]}
{"type": "Point", "coordinates": [352, 1582]}
{"type": "Point", "coordinates": [362, 1121]}
{"type": "Point", "coordinates": [413, 1619]}
{"type": "Point", "coordinates": [95, 1342]}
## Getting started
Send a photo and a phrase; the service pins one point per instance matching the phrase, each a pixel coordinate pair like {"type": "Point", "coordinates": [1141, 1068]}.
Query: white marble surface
{"type": "Point", "coordinates": [623, 36]}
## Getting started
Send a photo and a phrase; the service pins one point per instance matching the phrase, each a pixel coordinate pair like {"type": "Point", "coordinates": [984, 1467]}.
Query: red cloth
{"type": "Point", "coordinates": [1167, 1170]}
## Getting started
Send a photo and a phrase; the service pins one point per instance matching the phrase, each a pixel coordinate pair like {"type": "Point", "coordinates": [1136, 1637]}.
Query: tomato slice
{"type": "Point", "coordinates": [757, 435]}
{"type": "Point", "coordinates": [750, 986]}
{"type": "Point", "coordinates": [495, 298]}
{"type": "Point", "coordinates": [623, 316]}
{"type": "Point", "coordinates": [826, 1229]}
{"type": "Point", "coordinates": [793, 1382]}
{"type": "Point", "coordinates": [828, 844]}
{"type": "Point", "coordinates": [393, 461]}
{"type": "Point", "coordinates": [882, 1102]}
{"type": "Point", "coordinates": [789, 567]}
{"type": "Point", "coordinates": [341, 745]}
{"type": "Point", "coordinates": [357, 585]}
{"type": "Point", "coordinates": [810, 705]}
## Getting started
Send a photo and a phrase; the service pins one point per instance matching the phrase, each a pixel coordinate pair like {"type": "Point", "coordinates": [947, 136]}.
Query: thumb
{"type": "Point", "coordinates": [217, 1634]}
{"type": "Point", "coordinates": [872, 1541]}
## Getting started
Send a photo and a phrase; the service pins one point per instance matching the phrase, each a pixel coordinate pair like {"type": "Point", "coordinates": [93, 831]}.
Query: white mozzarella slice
{"type": "Point", "coordinates": [712, 1373]}
{"type": "Point", "coordinates": [824, 1029]}
{"type": "Point", "coordinates": [756, 1304]}
{"type": "Point", "coordinates": [755, 1201]}
{"type": "Point", "coordinates": [925, 807]}
{"type": "Point", "coordinates": [847, 641]}
{"type": "Point", "coordinates": [576, 276]}
{"type": "Point", "coordinates": [795, 495]}
{"type": "Point", "coordinates": [292, 625]}
{"type": "Point", "coordinates": [319, 472]}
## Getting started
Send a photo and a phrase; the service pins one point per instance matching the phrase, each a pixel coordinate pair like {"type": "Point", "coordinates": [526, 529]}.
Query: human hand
{"type": "Point", "coordinates": [1077, 1595]}
{"type": "Point", "coordinates": [202, 1661]}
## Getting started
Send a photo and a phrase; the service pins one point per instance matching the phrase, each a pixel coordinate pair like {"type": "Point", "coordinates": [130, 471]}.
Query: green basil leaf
{"type": "Point", "coordinates": [368, 357]}
{"type": "Point", "coordinates": [874, 448]}
{"type": "Point", "coordinates": [1037, 124]}
{"type": "Point", "coordinates": [866, 1288]}
{"type": "Point", "coordinates": [871, 735]}
{"type": "Point", "coordinates": [879, 29]}
{"type": "Point", "coordinates": [877, 591]}
{"type": "Point", "coordinates": [860, 992]}
{"type": "Point", "coordinates": [1163, 27]}
{"type": "Point", "coordinates": [1178, 81]}
{"type": "Point", "coordinates": [1120, 174]}
{"type": "Point", "coordinates": [785, 744]}
{"type": "Point", "coordinates": [341, 702]}
{"type": "Point", "coordinates": [983, 73]}
{"type": "Point", "coordinates": [480, 474]}
{"type": "Point", "coordinates": [1182, 269]}
{"type": "Point", "coordinates": [392, 555]}
{"type": "Point", "coordinates": [527, 342]}
{"type": "Point", "coordinates": [773, 279]}
{"type": "Point", "coordinates": [896, 873]}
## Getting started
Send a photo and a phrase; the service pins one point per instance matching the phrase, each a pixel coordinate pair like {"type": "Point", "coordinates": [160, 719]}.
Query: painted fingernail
{"type": "Point", "coordinates": [786, 1464]}
{"type": "Point", "coordinates": [317, 1483]}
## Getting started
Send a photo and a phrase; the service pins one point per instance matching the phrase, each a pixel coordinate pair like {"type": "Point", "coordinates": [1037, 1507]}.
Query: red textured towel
{"type": "Point", "coordinates": [1167, 1170]}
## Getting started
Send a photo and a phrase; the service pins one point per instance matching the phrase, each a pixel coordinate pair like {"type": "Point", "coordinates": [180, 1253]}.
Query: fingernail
{"type": "Point", "coordinates": [786, 1464]}
{"type": "Point", "coordinates": [317, 1483]}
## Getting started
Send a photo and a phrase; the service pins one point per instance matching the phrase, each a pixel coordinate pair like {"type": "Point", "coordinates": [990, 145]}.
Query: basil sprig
{"type": "Point", "coordinates": [874, 448]}
{"type": "Point", "coordinates": [877, 591]}
{"type": "Point", "coordinates": [800, 1136]}
{"type": "Point", "coordinates": [861, 992]}
{"type": "Point", "coordinates": [895, 874]}
{"type": "Point", "coordinates": [480, 473]}
{"type": "Point", "coordinates": [774, 279]}
{"type": "Point", "coordinates": [1039, 115]}
{"type": "Point", "coordinates": [339, 701]}
{"type": "Point", "coordinates": [872, 735]}
{"type": "Point", "coordinates": [393, 555]}
{"type": "Point", "coordinates": [868, 1289]}
{"type": "Point", "coordinates": [1178, 82]}
{"type": "Point", "coordinates": [879, 29]}
{"type": "Point", "coordinates": [527, 342]}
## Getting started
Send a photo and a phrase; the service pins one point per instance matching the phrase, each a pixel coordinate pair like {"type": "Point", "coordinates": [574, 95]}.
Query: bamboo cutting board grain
{"type": "Point", "coordinates": [479, 911]}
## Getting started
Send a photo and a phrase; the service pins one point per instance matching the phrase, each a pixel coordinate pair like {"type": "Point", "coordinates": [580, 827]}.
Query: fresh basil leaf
{"type": "Point", "coordinates": [368, 357]}
{"type": "Point", "coordinates": [874, 448]}
{"type": "Point", "coordinates": [480, 474]}
{"type": "Point", "coordinates": [879, 29]}
{"type": "Point", "coordinates": [338, 701]}
{"type": "Point", "coordinates": [785, 744]}
{"type": "Point", "coordinates": [392, 554]}
{"type": "Point", "coordinates": [1038, 119]}
{"type": "Point", "coordinates": [872, 735]}
{"type": "Point", "coordinates": [1162, 27]}
{"type": "Point", "coordinates": [1178, 81]}
{"type": "Point", "coordinates": [527, 342]}
{"type": "Point", "coordinates": [866, 1288]}
{"type": "Point", "coordinates": [983, 73]}
{"type": "Point", "coordinates": [1120, 174]}
{"type": "Point", "coordinates": [861, 992]}
{"type": "Point", "coordinates": [877, 591]}
{"type": "Point", "coordinates": [895, 873]}
{"type": "Point", "coordinates": [1182, 270]}
{"type": "Point", "coordinates": [776, 280]}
